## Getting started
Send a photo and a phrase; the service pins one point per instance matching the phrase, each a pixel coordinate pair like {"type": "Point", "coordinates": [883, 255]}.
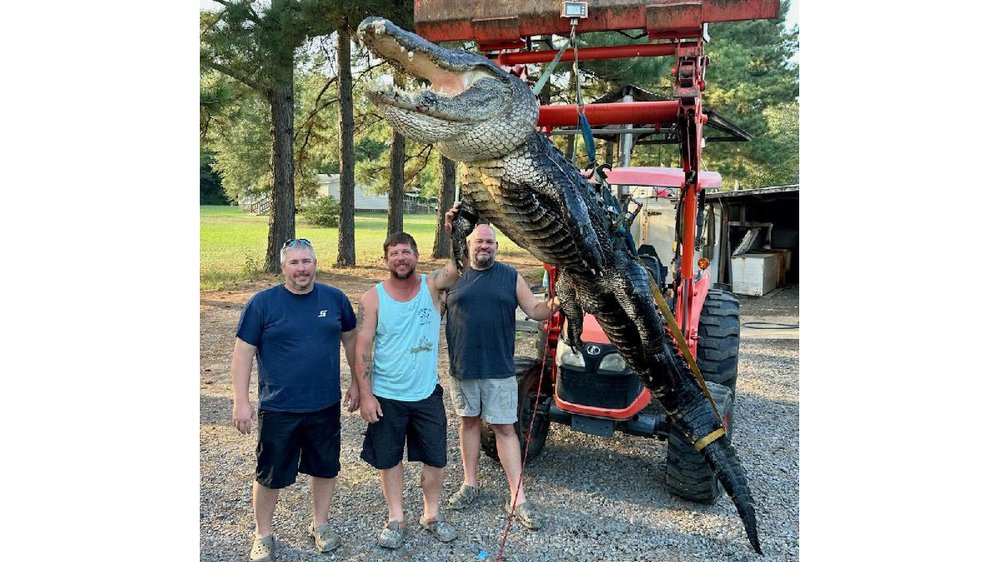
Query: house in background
{"type": "Point", "coordinates": [412, 202]}
{"type": "Point", "coordinates": [329, 184]}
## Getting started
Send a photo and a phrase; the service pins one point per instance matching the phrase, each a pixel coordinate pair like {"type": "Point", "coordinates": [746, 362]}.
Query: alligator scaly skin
{"type": "Point", "coordinates": [515, 179]}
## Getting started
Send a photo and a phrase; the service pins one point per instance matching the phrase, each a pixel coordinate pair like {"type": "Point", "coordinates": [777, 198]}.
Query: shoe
{"type": "Point", "coordinates": [464, 497]}
{"type": "Point", "coordinates": [527, 514]}
{"type": "Point", "coordinates": [263, 549]}
{"type": "Point", "coordinates": [391, 535]}
{"type": "Point", "coordinates": [325, 537]}
{"type": "Point", "coordinates": [441, 529]}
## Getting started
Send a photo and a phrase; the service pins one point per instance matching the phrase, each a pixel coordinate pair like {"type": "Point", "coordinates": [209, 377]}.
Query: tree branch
{"type": "Point", "coordinates": [232, 73]}
{"type": "Point", "coordinates": [317, 107]}
{"type": "Point", "coordinates": [425, 152]}
{"type": "Point", "coordinates": [253, 15]}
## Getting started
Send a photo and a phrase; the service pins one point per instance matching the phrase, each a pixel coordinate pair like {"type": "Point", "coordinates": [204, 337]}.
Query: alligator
{"type": "Point", "coordinates": [517, 180]}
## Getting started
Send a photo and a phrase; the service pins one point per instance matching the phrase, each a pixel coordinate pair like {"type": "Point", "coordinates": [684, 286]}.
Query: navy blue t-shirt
{"type": "Point", "coordinates": [481, 323]}
{"type": "Point", "coordinates": [298, 345]}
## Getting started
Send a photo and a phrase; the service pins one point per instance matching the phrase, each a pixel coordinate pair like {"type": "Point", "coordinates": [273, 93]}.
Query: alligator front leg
{"type": "Point", "coordinates": [572, 311]}
{"type": "Point", "coordinates": [463, 224]}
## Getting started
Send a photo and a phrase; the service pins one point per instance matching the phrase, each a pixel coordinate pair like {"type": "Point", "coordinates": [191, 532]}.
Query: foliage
{"type": "Point", "coordinates": [254, 44]}
{"type": "Point", "coordinates": [236, 128]}
{"type": "Point", "coordinates": [779, 147]}
{"type": "Point", "coordinates": [211, 182]}
{"type": "Point", "coordinates": [323, 211]}
{"type": "Point", "coordinates": [422, 168]}
{"type": "Point", "coordinates": [644, 72]}
{"type": "Point", "coordinates": [753, 82]}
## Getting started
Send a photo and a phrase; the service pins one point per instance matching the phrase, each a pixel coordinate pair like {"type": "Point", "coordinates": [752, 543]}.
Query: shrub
{"type": "Point", "coordinates": [324, 211]}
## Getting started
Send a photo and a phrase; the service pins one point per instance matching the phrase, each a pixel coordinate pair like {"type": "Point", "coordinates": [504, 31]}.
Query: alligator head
{"type": "Point", "coordinates": [473, 109]}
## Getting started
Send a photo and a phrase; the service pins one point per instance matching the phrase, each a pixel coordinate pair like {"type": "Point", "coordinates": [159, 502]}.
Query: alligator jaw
{"type": "Point", "coordinates": [470, 101]}
{"type": "Point", "coordinates": [448, 73]}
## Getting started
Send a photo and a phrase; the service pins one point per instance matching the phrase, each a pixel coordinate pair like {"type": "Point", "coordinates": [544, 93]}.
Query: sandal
{"type": "Point", "coordinates": [441, 529]}
{"type": "Point", "coordinates": [391, 535]}
{"type": "Point", "coordinates": [325, 537]}
{"type": "Point", "coordinates": [263, 549]}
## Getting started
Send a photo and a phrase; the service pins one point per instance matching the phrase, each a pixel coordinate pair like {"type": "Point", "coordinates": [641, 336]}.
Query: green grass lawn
{"type": "Point", "coordinates": [233, 243]}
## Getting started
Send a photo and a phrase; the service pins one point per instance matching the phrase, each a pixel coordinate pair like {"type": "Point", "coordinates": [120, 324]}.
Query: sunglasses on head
{"type": "Point", "coordinates": [291, 242]}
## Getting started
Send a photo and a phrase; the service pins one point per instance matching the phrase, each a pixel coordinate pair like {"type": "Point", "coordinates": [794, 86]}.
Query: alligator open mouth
{"type": "Point", "coordinates": [449, 75]}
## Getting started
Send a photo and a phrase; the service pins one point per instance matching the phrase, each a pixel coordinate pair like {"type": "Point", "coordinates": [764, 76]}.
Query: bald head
{"type": "Point", "coordinates": [482, 245]}
{"type": "Point", "coordinates": [483, 230]}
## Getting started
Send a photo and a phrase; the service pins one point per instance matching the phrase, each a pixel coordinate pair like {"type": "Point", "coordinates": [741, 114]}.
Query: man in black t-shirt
{"type": "Point", "coordinates": [480, 334]}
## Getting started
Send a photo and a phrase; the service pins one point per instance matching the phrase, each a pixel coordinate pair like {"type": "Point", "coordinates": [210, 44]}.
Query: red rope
{"type": "Point", "coordinates": [527, 444]}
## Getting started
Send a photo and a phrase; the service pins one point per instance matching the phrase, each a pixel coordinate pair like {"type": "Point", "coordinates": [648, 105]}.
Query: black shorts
{"type": "Point", "coordinates": [290, 443]}
{"type": "Point", "coordinates": [420, 425]}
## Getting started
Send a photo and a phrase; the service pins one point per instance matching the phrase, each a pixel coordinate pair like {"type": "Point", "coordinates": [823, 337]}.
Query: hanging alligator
{"type": "Point", "coordinates": [517, 180]}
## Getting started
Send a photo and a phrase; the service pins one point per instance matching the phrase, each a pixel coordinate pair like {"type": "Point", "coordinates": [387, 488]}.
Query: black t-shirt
{"type": "Point", "coordinates": [481, 323]}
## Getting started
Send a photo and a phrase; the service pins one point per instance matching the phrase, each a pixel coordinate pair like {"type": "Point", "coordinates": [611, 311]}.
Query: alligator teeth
{"type": "Point", "coordinates": [409, 55]}
{"type": "Point", "coordinates": [384, 81]}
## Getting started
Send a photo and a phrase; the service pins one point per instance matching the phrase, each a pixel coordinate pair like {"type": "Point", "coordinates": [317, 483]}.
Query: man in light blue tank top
{"type": "Point", "coordinates": [400, 398]}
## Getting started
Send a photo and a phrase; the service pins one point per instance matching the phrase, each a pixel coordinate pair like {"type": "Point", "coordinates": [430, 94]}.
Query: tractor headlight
{"type": "Point", "coordinates": [613, 362]}
{"type": "Point", "coordinates": [564, 355]}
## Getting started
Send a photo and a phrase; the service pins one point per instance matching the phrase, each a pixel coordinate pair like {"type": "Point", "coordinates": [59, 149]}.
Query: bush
{"type": "Point", "coordinates": [324, 211]}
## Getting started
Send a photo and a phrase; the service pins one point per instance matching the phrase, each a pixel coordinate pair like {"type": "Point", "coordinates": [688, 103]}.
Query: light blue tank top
{"type": "Point", "coordinates": [406, 343]}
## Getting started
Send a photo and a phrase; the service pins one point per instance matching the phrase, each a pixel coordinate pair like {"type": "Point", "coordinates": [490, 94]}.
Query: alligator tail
{"type": "Point", "coordinates": [698, 420]}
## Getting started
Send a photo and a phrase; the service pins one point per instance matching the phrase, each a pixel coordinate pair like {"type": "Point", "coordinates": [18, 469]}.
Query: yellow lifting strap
{"type": "Point", "coordinates": [682, 343]}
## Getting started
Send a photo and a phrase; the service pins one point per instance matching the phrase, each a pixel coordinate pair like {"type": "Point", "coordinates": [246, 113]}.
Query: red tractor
{"type": "Point", "coordinates": [592, 389]}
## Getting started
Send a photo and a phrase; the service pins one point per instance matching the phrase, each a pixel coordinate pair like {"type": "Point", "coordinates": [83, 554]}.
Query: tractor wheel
{"type": "Point", "coordinates": [528, 373]}
{"type": "Point", "coordinates": [718, 338]}
{"type": "Point", "coordinates": [688, 474]}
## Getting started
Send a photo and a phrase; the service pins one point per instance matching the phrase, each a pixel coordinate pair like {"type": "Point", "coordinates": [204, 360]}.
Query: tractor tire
{"type": "Point", "coordinates": [528, 373]}
{"type": "Point", "coordinates": [718, 338]}
{"type": "Point", "coordinates": [688, 475]}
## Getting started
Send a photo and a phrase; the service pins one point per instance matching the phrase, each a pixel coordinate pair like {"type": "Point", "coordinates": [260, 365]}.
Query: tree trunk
{"type": "Point", "coordinates": [345, 240]}
{"type": "Point", "coordinates": [442, 245]}
{"type": "Point", "coordinates": [282, 212]}
{"type": "Point", "coordinates": [609, 153]}
{"type": "Point", "coordinates": [396, 181]}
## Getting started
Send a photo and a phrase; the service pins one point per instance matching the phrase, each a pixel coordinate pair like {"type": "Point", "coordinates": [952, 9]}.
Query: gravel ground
{"type": "Point", "coordinates": [605, 498]}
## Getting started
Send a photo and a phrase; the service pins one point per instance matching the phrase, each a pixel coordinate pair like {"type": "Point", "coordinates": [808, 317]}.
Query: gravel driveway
{"type": "Point", "coordinates": [605, 497]}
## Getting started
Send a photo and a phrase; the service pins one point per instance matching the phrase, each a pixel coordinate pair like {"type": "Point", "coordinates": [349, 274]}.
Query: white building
{"type": "Point", "coordinates": [329, 184]}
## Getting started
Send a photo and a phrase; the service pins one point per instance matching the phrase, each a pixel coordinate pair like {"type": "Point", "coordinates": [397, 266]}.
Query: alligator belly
{"type": "Point", "coordinates": [531, 220]}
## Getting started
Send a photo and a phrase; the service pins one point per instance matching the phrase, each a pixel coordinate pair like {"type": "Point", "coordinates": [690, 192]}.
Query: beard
{"type": "Point", "coordinates": [484, 261]}
{"type": "Point", "coordinates": [403, 276]}
{"type": "Point", "coordinates": [301, 282]}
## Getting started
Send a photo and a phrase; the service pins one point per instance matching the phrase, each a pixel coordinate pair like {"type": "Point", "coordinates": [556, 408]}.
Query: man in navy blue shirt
{"type": "Point", "coordinates": [295, 331]}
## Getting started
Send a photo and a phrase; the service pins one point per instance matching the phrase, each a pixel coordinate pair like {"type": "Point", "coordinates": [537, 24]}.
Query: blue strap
{"type": "Point", "coordinates": [591, 149]}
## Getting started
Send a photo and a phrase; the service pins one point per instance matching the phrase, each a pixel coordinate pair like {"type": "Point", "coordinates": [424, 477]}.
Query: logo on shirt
{"type": "Point", "coordinates": [424, 315]}
{"type": "Point", "coordinates": [425, 345]}
{"type": "Point", "coordinates": [322, 313]}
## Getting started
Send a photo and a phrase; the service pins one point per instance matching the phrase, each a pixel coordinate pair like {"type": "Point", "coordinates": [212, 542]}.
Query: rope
{"type": "Point", "coordinates": [527, 441]}
{"type": "Point", "coordinates": [769, 326]}
{"type": "Point", "coordinates": [584, 124]}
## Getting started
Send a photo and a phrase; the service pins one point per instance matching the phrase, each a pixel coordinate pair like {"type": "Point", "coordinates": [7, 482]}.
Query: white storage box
{"type": "Point", "coordinates": [754, 274]}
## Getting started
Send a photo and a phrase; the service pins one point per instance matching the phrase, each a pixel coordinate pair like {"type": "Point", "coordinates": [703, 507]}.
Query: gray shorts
{"type": "Point", "coordinates": [494, 400]}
